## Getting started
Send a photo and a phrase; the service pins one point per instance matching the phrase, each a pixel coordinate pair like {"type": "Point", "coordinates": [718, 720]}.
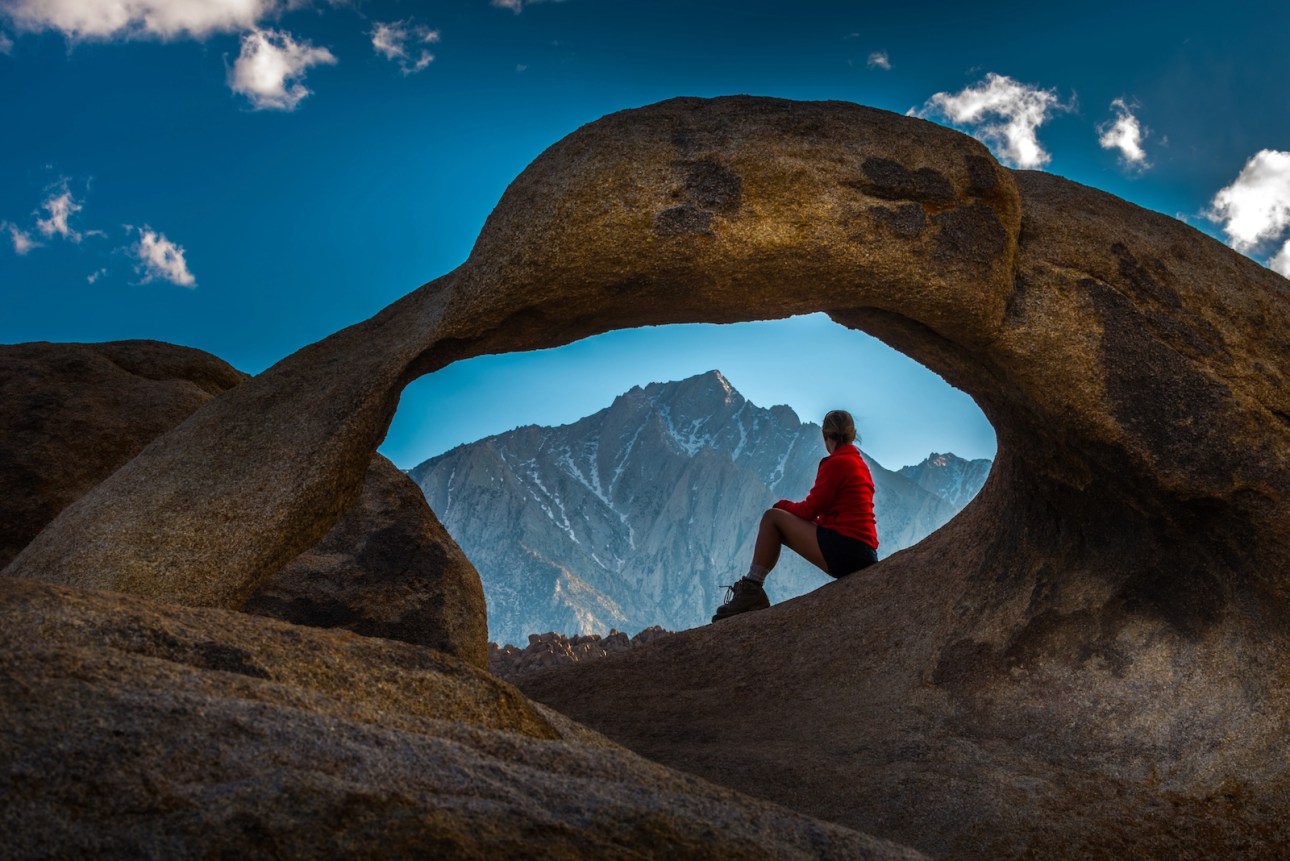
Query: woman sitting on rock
{"type": "Point", "coordinates": [833, 528]}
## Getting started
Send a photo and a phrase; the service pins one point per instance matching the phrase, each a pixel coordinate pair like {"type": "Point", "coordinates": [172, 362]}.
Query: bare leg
{"type": "Point", "coordinates": [781, 529]}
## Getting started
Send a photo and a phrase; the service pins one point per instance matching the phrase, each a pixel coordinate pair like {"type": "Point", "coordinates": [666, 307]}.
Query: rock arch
{"type": "Point", "coordinates": [688, 211]}
{"type": "Point", "coordinates": [1131, 543]}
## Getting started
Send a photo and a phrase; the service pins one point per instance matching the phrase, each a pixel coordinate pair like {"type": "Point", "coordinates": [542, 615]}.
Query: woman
{"type": "Point", "coordinates": [833, 528]}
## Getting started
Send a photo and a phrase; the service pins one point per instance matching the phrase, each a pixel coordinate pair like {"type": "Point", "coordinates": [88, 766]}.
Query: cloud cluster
{"type": "Point", "coordinates": [880, 60]}
{"type": "Point", "coordinates": [160, 259]}
{"type": "Point", "coordinates": [1126, 134]}
{"type": "Point", "coordinates": [399, 40]}
{"type": "Point", "coordinates": [1004, 114]}
{"type": "Point", "coordinates": [270, 68]}
{"type": "Point", "coordinates": [165, 19]}
{"type": "Point", "coordinates": [1255, 209]}
{"type": "Point", "coordinates": [155, 256]}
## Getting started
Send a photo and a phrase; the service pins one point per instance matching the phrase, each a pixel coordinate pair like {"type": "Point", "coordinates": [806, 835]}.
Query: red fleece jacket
{"type": "Point", "coordinates": [842, 498]}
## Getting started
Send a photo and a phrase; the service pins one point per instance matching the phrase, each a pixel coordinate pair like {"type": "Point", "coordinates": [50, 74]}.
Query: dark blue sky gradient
{"type": "Point", "coordinates": [296, 224]}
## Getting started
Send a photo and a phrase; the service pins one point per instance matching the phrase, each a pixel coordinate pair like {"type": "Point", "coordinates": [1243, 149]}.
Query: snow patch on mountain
{"type": "Point", "coordinates": [639, 514]}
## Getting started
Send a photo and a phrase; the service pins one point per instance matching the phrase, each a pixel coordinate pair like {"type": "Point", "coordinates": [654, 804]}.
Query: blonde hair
{"type": "Point", "coordinates": [840, 427]}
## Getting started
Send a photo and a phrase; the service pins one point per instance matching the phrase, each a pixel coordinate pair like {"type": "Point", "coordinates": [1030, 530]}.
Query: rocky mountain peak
{"type": "Point", "coordinates": [638, 514]}
{"type": "Point", "coordinates": [949, 476]}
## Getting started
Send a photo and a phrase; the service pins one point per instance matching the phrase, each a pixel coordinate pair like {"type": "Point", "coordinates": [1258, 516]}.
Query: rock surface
{"type": "Point", "coordinates": [134, 730]}
{"type": "Point", "coordinates": [72, 414]}
{"type": "Point", "coordinates": [1091, 660]}
{"type": "Point", "coordinates": [387, 569]}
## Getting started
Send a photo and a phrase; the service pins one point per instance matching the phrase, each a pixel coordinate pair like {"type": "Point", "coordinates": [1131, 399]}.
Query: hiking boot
{"type": "Point", "coordinates": [742, 596]}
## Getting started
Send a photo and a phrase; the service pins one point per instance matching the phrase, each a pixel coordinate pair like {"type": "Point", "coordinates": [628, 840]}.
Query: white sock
{"type": "Point", "coordinates": [757, 574]}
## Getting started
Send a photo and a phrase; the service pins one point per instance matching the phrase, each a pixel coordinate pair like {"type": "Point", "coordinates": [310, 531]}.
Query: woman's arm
{"type": "Point", "coordinates": [821, 496]}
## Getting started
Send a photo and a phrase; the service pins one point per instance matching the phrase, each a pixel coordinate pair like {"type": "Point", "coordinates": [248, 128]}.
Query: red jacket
{"type": "Point", "coordinates": [842, 498]}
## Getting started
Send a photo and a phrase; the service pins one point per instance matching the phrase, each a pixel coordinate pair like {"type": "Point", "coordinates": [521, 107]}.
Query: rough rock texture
{"type": "Point", "coordinates": [135, 730]}
{"type": "Point", "coordinates": [1090, 660]}
{"type": "Point", "coordinates": [387, 569]}
{"type": "Point", "coordinates": [72, 414]}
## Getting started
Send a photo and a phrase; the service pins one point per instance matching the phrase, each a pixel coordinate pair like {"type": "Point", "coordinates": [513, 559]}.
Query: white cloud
{"type": "Point", "coordinates": [270, 66]}
{"type": "Point", "coordinates": [161, 259]}
{"type": "Point", "coordinates": [1005, 114]}
{"type": "Point", "coordinates": [394, 39]}
{"type": "Point", "coordinates": [95, 276]}
{"type": "Point", "coordinates": [22, 241]}
{"type": "Point", "coordinates": [1281, 263]}
{"type": "Point", "coordinates": [880, 60]}
{"type": "Point", "coordinates": [1125, 133]}
{"type": "Point", "coordinates": [166, 19]}
{"type": "Point", "coordinates": [517, 6]}
{"type": "Point", "coordinates": [61, 206]}
{"type": "Point", "coordinates": [6, 44]}
{"type": "Point", "coordinates": [1255, 208]}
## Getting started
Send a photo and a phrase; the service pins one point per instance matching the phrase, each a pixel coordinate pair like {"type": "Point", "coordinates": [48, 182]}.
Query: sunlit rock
{"type": "Point", "coordinates": [1089, 661]}
{"type": "Point", "coordinates": [72, 414]}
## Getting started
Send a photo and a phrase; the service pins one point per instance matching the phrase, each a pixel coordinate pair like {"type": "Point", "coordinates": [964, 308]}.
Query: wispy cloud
{"type": "Point", "coordinates": [132, 19]}
{"type": "Point", "coordinates": [518, 6]}
{"type": "Point", "coordinates": [1125, 133]}
{"type": "Point", "coordinates": [1255, 209]}
{"type": "Point", "coordinates": [880, 60]}
{"type": "Point", "coordinates": [60, 206]}
{"type": "Point", "coordinates": [270, 68]}
{"type": "Point", "coordinates": [95, 276]}
{"type": "Point", "coordinates": [398, 41]}
{"type": "Point", "coordinates": [21, 239]}
{"type": "Point", "coordinates": [1003, 113]}
{"type": "Point", "coordinates": [159, 259]}
{"type": "Point", "coordinates": [6, 44]}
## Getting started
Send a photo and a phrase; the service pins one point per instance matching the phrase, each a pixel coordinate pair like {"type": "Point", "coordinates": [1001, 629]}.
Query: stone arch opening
{"type": "Point", "coordinates": [632, 506]}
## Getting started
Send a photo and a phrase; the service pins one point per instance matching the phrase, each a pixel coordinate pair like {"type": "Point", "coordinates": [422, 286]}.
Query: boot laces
{"type": "Point", "coordinates": [730, 592]}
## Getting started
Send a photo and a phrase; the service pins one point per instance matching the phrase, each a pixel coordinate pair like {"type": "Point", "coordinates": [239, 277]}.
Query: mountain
{"type": "Point", "coordinates": [950, 477]}
{"type": "Point", "coordinates": [639, 514]}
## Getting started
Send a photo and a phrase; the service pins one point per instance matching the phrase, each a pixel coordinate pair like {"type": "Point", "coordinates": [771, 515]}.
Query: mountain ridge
{"type": "Point", "coordinates": [638, 514]}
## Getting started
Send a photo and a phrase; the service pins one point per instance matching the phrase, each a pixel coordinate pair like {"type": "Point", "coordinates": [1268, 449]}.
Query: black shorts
{"type": "Point", "coordinates": [843, 555]}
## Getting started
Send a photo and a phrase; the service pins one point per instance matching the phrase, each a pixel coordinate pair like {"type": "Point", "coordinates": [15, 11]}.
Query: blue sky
{"type": "Point", "coordinates": [248, 176]}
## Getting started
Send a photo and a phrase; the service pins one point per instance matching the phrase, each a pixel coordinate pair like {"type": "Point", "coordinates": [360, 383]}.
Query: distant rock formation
{"type": "Point", "coordinates": [552, 650]}
{"type": "Point", "coordinates": [640, 514]}
{"type": "Point", "coordinates": [1090, 661]}
{"type": "Point", "coordinates": [72, 414]}
{"type": "Point", "coordinates": [950, 477]}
